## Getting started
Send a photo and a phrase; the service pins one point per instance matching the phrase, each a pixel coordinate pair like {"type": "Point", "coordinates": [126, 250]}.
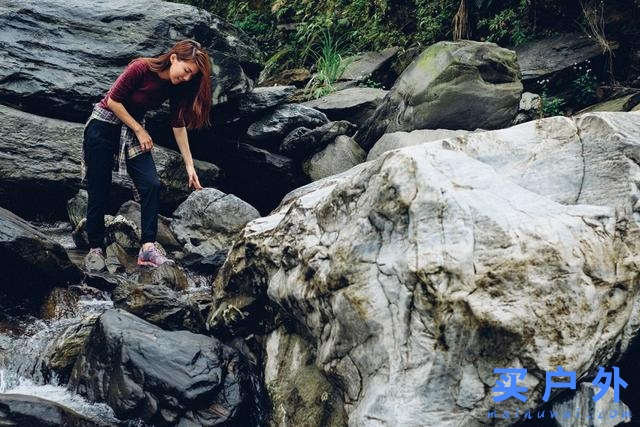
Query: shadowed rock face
{"type": "Point", "coordinates": [451, 85]}
{"type": "Point", "coordinates": [60, 57]}
{"type": "Point", "coordinates": [32, 264]}
{"type": "Point", "coordinates": [423, 270]}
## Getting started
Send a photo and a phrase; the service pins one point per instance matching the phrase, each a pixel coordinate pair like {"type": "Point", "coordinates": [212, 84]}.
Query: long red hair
{"type": "Point", "coordinates": [195, 103]}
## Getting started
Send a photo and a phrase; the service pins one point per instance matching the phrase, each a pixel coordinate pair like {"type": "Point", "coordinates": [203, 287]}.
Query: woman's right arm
{"type": "Point", "coordinates": [119, 110]}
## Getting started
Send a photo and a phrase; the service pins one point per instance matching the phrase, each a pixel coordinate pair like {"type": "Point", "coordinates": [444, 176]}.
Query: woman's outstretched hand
{"type": "Point", "coordinates": [145, 139]}
{"type": "Point", "coordinates": [193, 178]}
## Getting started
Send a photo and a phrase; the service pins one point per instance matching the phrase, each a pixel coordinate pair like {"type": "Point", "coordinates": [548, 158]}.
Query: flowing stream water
{"type": "Point", "coordinates": [24, 339]}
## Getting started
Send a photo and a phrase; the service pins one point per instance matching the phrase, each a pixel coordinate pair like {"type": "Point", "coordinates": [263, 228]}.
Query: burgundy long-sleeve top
{"type": "Point", "coordinates": [139, 89]}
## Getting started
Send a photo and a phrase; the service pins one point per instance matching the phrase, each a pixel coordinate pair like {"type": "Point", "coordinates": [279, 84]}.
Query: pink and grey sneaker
{"type": "Point", "coordinates": [152, 257]}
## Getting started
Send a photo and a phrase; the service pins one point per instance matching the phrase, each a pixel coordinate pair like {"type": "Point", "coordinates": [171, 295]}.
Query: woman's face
{"type": "Point", "coordinates": [182, 71]}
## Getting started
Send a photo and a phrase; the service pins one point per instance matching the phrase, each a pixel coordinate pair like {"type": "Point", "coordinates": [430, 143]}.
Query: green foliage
{"type": "Point", "coordinates": [289, 31]}
{"type": "Point", "coordinates": [329, 66]}
{"type": "Point", "coordinates": [508, 27]}
{"type": "Point", "coordinates": [584, 87]}
{"type": "Point", "coordinates": [552, 105]}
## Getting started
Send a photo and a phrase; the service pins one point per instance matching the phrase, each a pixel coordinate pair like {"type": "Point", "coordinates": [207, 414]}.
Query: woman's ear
{"type": "Point", "coordinates": [173, 58]}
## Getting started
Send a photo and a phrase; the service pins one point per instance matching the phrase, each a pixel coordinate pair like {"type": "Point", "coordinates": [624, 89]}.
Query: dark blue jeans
{"type": "Point", "coordinates": [101, 142]}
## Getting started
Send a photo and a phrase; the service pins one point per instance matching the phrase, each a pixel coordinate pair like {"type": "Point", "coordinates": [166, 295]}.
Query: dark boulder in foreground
{"type": "Point", "coordinates": [161, 377]}
{"type": "Point", "coordinates": [59, 58]}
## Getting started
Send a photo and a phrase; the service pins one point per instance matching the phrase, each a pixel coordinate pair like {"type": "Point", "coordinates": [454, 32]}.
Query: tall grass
{"type": "Point", "coordinates": [329, 66]}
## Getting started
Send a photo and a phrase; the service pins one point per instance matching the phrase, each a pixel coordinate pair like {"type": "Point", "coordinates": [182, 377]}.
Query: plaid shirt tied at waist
{"type": "Point", "coordinates": [129, 146]}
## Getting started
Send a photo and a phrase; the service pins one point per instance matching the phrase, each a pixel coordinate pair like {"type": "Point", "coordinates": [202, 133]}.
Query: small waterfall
{"type": "Point", "coordinates": [21, 361]}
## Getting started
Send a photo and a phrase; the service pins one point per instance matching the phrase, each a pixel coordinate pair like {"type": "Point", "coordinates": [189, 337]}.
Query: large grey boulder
{"type": "Point", "coordinates": [56, 65]}
{"type": "Point", "coordinates": [158, 376]}
{"type": "Point", "coordinates": [302, 142]}
{"type": "Point", "coordinates": [376, 66]}
{"type": "Point", "coordinates": [269, 130]}
{"type": "Point", "coordinates": [589, 159]}
{"type": "Point", "coordinates": [553, 56]}
{"type": "Point", "coordinates": [561, 158]}
{"type": "Point", "coordinates": [210, 220]}
{"type": "Point", "coordinates": [32, 264]}
{"type": "Point", "coordinates": [263, 98]}
{"type": "Point", "coordinates": [338, 156]}
{"type": "Point", "coordinates": [425, 269]}
{"type": "Point", "coordinates": [394, 140]}
{"type": "Point", "coordinates": [356, 104]}
{"type": "Point", "coordinates": [451, 85]}
{"type": "Point", "coordinates": [41, 158]}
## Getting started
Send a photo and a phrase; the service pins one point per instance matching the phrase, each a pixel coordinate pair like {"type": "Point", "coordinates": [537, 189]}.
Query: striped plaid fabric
{"type": "Point", "coordinates": [129, 146]}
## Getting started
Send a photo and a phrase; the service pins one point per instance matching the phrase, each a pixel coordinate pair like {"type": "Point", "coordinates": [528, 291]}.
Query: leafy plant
{"type": "Point", "coordinates": [507, 27]}
{"type": "Point", "coordinates": [552, 105]}
{"type": "Point", "coordinates": [584, 87]}
{"type": "Point", "coordinates": [329, 66]}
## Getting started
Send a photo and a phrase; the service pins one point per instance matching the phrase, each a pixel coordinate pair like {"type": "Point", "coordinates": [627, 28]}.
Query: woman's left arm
{"type": "Point", "coordinates": [183, 144]}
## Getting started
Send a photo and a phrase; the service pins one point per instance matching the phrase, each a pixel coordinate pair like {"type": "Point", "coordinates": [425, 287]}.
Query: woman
{"type": "Point", "coordinates": [115, 138]}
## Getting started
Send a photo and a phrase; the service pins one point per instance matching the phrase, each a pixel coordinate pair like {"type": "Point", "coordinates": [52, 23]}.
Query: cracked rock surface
{"type": "Point", "coordinates": [416, 274]}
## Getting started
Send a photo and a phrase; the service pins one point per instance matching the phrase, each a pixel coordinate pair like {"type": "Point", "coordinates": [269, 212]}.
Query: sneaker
{"type": "Point", "coordinates": [152, 257]}
{"type": "Point", "coordinates": [94, 260]}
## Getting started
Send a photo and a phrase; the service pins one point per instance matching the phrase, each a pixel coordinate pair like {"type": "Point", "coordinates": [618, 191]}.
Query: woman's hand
{"type": "Point", "coordinates": [145, 139]}
{"type": "Point", "coordinates": [193, 178]}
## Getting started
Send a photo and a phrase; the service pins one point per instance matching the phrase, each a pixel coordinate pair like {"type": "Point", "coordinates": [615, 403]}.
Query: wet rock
{"type": "Point", "coordinates": [168, 274]}
{"type": "Point", "coordinates": [451, 85]}
{"type": "Point", "coordinates": [302, 142]}
{"type": "Point", "coordinates": [61, 353]}
{"type": "Point", "coordinates": [32, 264]}
{"type": "Point", "coordinates": [395, 140]}
{"type": "Point", "coordinates": [21, 410]}
{"type": "Point", "coordinates": [161, 306]}
{"type": "Point", "coordinates": [270, 129]}
{"type": "Point", "coordinates": [356, 104]}
{"type": "Point", "coordinates": [342, 154]}
{"type": "Point", "coordinates": [51, 169]}
{"type": "Point", "coordinates": [61, 302]}
{"type": "Point", "coordinates": [170, 377]}
{"type": "Point", "coordinates": [209, 220]}
{"type": "Point", "coordinates": [63, 77]}
{"type": "Point", "coordinates": [401, 270]}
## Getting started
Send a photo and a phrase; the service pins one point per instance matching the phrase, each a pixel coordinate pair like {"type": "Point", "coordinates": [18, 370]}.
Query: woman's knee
{"type": "Point", "coordinates": [150, 185]}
